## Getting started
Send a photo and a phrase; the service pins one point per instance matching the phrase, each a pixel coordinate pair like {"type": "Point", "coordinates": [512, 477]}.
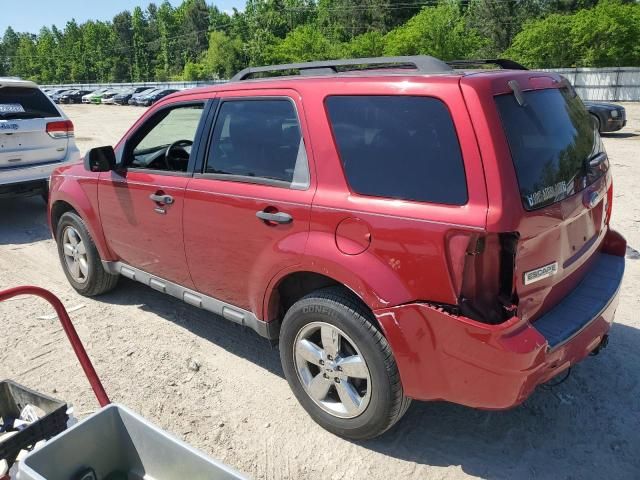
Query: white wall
{"type": "Point", "coordinates": [613, 83]}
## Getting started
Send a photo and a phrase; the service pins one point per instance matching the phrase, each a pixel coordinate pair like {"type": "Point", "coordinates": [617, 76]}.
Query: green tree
{"type": "Point", "coordinates": [370, 44]}
{"type": "Point", "coordinates": [46, 56]}
{"type": "Point", "coordinates": [545, 43]}
{"type": "Point", "coordinates": [305, 43]}
{"type": "Point", "coordinates": [441, 31]}
{"type": "Point", "coordinates": [607, 35]}
{"type": "Point", "coordinates": [194, 20]}
{"type": "Point", "coordinates": [194, 71]}
{"type": "Point", "coordinates": [603, 36]}
{"type": "Point", "coordinates": [25, 63]}
{"type": "Point", "coordinates": [224, 57]}
{"type": "Point", "coordinates": [342, 20]}
{"type": "Point", "coordinates": [122, 47]}
{"type": "Point", "coordinates": [500, 21]}
{"type": "Point", "coordinates": [141, 61]}
{"type": "Point", "coordinates": [10, 42]}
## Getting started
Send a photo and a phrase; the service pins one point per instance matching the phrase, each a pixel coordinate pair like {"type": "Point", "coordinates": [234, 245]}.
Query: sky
{"type": "Point", "coordinates": [31, 15]}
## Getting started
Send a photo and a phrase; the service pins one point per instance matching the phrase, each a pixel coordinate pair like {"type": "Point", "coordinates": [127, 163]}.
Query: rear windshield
{"type": "Point", "coordinates": [24, 102]}
{"type": "Point", "coordinates": [551, 139]}
{"type": "Point", "coordinates": [400, 147]}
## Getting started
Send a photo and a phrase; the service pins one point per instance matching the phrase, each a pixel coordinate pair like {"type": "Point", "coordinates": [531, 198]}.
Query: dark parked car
{"type": "Point", "coordinates": [608, 117]}
{"type": "Point", "coordinates": [56, 96]}
{"type": "Point", "coordinates": [124, 97]}
{"type": "Point", "coordinates": [50, 92]}
{"type": "Point", "coordinates": [73, 96]}
{"type": "Point", "coordinates": [433, 235]}
{"type": "Point", "coordinates": [154, 97]}
{"type": "Point", "coordinates": [137, 97]}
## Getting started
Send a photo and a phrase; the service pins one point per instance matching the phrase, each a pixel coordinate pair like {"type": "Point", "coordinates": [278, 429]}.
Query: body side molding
{"type": "Point", "coordinates": [230, 312]}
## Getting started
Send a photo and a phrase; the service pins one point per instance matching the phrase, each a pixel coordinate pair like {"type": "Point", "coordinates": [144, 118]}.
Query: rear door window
{"type": "Point", "coordinates": [401, 147]}
{"type": "Point", "coordinates": [259, 141]}
{"type": "Point", "coordinates": [24, 102]}
{"type": "Point", "coordinates": [551, 139]}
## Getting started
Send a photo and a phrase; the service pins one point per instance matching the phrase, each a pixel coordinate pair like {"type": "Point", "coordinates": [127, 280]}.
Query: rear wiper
{"type": "Point", "coordinates": [517, 92]}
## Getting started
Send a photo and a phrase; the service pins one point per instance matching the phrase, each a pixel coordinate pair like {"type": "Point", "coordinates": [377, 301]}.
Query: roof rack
{"type": "Point", "coordinates": [420, 63]}
{"type": "Point", "coordinates": [501, 62]}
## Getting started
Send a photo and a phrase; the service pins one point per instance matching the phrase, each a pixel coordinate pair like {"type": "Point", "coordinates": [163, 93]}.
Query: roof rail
{"type": "Point", "coordinates": [501, 62]}
{"type": "Point", "coordinates": [421, 64]}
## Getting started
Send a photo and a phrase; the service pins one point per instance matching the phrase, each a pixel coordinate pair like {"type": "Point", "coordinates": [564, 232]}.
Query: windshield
{"type": "Point", "coordinates": [551, 139]}
{"type": "Point", "coordinates": [25, 102]}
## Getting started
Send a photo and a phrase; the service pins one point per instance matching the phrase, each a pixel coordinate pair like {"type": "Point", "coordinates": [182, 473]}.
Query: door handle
{"type": "Point", "coordinates": [164, 199]}
{"type": "Point", "coordinates": [279, 217]}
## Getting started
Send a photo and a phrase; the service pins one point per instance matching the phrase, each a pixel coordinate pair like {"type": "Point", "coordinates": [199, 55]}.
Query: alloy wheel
{"type": "Point", "coordinates": [332, 370]}
{"type": "Point", "coordinates": [75, 255]}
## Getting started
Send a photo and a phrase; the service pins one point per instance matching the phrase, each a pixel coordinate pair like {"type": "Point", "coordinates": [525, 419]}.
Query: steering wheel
{"type": "Point", "coordinates": [184, 155]}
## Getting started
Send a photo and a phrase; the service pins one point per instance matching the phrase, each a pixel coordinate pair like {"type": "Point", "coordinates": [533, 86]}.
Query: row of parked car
{"type": "Point", "coordinates": [139, 96]}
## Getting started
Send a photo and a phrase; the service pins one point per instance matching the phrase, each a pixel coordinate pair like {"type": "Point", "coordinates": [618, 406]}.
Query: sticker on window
{"type": "Point", "coordinates": [11, 108]}
{"type": "Point", "coordinates": [556, 191]}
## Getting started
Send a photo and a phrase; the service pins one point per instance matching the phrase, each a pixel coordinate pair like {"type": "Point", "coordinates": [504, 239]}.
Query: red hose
{"type": "Point", "coordinates": [69, 329]}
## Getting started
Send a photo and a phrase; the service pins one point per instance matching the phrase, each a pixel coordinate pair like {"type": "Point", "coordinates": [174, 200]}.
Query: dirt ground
{"type": "Point", "coordinates": [238, 407]}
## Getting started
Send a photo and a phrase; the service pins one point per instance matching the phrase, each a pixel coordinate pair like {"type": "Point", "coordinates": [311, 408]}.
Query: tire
{"type": "Point", "coordinates": [382, 401]}
{"type": "Point", "coordinates": [95, 279]}
{"type": "Point", "coordinates": [596, 122]}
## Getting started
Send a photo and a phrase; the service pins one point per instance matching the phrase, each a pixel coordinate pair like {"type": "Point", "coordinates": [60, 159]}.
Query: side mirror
{"type": "Point", "coordinates": [100, 159]}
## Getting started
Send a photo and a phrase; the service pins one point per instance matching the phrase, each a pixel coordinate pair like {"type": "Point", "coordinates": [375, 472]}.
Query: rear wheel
{"type": "Point", "coordinates": [80, 259]}
{"type": "Point", "coordinates": [339, 365]}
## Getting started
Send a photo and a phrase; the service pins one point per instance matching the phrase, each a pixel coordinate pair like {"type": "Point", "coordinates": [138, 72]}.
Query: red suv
{"type": "Point", "coordinates": [404, 229]}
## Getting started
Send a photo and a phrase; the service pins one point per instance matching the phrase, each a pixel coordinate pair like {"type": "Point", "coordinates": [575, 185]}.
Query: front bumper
{"type": "Point", "coordinates": [613, 124]}
{"type": "Point", "coordinates": [441, 356]}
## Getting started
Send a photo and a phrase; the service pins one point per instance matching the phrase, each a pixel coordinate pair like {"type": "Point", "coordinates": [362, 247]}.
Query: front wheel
{"type": "Point", "coordinates": [339, 366]}
{"type": "Point", "coordinates": [80, 258]}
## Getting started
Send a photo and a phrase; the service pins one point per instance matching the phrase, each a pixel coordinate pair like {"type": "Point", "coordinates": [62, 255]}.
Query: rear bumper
{"type": "Point", "coordinates": [35, 187]}
{"type": "Point", "coordinates": [445, 357]}
{"type": "Point", "coordinates": [13, 178]}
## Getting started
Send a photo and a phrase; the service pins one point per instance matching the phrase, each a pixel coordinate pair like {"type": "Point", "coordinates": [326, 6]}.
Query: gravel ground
{"type": "Point", "coordinates": [238, 407]}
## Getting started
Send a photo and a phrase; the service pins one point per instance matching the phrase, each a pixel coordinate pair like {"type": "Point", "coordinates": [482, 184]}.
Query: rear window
{"type": "Point", "coordinates": [24, 102]}
{"type": "Point", "coordinates": [401, 147]}
{"type": "Point", "coordinates": [551, 139]}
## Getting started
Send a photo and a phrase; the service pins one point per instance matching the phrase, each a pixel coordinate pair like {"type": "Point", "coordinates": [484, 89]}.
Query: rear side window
{"type": "Point", "coordinates": [259, 141]}
{"type": "Point", "coordinates": [23, 102]}
{"type": "Point", "coordinates": [400, 147]}
{"type": "Point", "coordinates": [550, 138]}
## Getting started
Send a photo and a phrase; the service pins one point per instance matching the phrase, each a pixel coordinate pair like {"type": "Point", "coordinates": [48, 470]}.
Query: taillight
{"type": "Point", "coordinates": [482, 270]}
{"type": "Point", "coordinates": [607, 217]}
{"type": "Point", "coordinates": [62, 129]}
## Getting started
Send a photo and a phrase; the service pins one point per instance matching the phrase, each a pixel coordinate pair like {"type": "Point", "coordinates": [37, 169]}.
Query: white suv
{"type": "Point", "coordinates": [35, 138]}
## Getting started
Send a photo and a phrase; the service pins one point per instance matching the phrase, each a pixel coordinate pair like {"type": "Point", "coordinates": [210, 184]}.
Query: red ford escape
{"type": "Point", "coordinates": [404, 229]}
